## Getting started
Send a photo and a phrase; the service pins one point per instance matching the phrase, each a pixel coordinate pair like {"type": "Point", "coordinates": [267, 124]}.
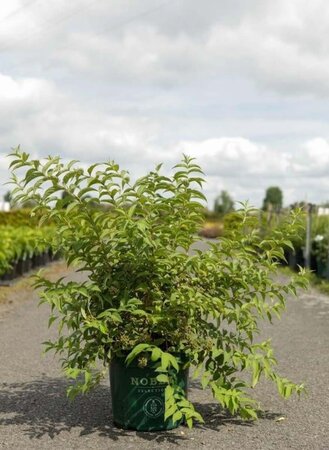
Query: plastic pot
{"type": "Point", "coordinates": [45, 257]}
{"type": "Point", "coordinates": [9, 275]}
{"type": "Point", "coordinates": [28, 264]}
{"type": "Point", "coordinates": [322, 268]}
{"type": "Point", "coordinates": [35, 260]}
{"type": "Point", "coordinates": [20, 267]}
{"type": "Point", "coordinates": [295, 258]}
{"type": "Point", "coordinates": [54, 255]}
{"type": "Point", "coordinates": [138, 399]}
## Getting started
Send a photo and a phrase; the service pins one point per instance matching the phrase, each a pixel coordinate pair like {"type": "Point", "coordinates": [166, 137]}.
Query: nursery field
{"type": "Point", "coordinates": [215, 227]}
{"type": "Point", "coordinates": [23, 244]}
{"type": "Point", "coordinates": [35, 413]}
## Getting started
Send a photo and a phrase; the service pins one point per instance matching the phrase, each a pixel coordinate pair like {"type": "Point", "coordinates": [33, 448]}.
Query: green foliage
{"type": "Point", "coordinates": [21, 237]}
{"type": "Point", "coordinates": [320, 284]}
{"type": "Point", "coordinates": [232, 221]}
{"type": "Point", "coordinates": [273, 199]}
{"type": "Point", "coordinates": [18, 218]}
{"type": "Point", "coordinates": [320, 226]}
{"type": "Point", "coordinates": [21, 243]}
{"type": "Point", "coordinates": [320, 239]}
{"type": "Point", "coordinates": [146, 296]}
{"type": "Point", "coordinates": [319, 242]}
{"type": "Point", "coordinates": [211, 215]}
{"type": "Point", "coordinates": [320, 249]}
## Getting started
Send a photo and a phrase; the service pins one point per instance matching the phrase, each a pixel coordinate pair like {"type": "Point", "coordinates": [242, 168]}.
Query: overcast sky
{"type": "Point", "coordinates": [243, 85]}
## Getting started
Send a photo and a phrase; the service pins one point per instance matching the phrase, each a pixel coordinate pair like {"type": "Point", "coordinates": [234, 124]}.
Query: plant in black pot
{"type": "Point", "coordinates": [150, 309]}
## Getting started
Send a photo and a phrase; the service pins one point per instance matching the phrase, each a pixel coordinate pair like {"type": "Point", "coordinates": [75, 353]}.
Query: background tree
{"type": "Point", "coordinates": [273, 199]}
{"type": "Point", "coordinates": [67, 198]}
{"type": "Point", "coordinates": [224, 204]}
{"type": "Point", "coordinates": [7, 197]}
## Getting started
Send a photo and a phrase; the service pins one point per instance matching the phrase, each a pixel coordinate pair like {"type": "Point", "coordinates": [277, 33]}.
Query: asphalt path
{"type": "Point", "coordinates": [35, 413]}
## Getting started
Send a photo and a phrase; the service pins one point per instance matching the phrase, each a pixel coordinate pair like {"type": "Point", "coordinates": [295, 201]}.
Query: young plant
{"type": "Point", "coordinates": [21, 243]}
{"type": "Point", "coordinates": [148, 296]}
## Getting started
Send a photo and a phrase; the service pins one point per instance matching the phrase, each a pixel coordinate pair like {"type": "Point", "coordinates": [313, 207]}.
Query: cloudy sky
{"type": "Point", "coordinates": [241, 85]}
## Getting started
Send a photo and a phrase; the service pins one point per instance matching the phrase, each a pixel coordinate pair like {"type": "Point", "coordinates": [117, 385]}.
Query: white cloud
{"type": "Point", "coordinates": [268, 42]}
{"type": "Point", "coordinates": [318, 152]}
{"type": "Point", "coordinates": [47, 121]}
{"type": "Point", "coordinates": [272, 46]}
{"type": "Point", "coordinates": [240, 85]}
{"type": "Point", "coordinates": [313, 159]}
{"type": "Point", "coordinates": [246, 169]}
{"type": "Point", "coordinates": [37, 114]}
{"type": "Point", "coordinates": [237, 157]}
{"type": "Point", "coordinates": [33, 91]}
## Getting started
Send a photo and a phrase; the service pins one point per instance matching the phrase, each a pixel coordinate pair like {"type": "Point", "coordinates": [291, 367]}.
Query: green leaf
{"type": "Point", "coordinates": [165, 360]}
{"type": "Point", "coordinates": [256, 372]}
{"type": "Point", "coordinates": [177, 416]}
{"type": "Point", "coordinates": [170, 411]}
{"type": "Point", "coordinates": [136, 351]}
{"type": "Point", "coordinates": [162, 378]}
{"type": "Point", "coordinates": [156, 354]}
{"type": "Point", "coordinates": [51, 320]}
{"type": "Point", "coordinates": [189, 422]}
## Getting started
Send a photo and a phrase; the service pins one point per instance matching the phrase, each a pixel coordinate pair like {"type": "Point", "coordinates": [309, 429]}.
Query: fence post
{"type": "Point", "coordinates": [308, 236]}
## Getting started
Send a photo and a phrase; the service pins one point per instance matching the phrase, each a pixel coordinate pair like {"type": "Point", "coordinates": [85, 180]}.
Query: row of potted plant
{"type": "Point", "coordinates": [19, 217]}
{"type": "Point", "coordinates": [24, 248]}
{"type": "Point", "coordinates": [319, 261]}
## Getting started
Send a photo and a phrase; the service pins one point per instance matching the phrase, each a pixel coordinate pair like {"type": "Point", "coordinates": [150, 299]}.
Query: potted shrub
{"type": "Point", "coordinates": [320, 245]}
{"type": "Point", "coordinates": [320, 251]}
{"type": "Point", "coordinates": [151, 309]}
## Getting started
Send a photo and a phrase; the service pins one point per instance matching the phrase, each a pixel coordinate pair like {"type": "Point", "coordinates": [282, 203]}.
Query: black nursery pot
{"type": "Point", "coordinates": [54, 255]}
{"type": "Point", "coordinates": [35, 260]}
{"type": "Point", "coordinates": [10, 274]}
{"type": "Point", "coordinates": [45, 257]}
{"type": "Point", "coordinates": [295, 258]}
{"type": "Point", "coordinates": [138, 399]}
{"type": "Point", "coordinates": [28, 264]}
{"type": "Point", "coordinates": [20, 267]}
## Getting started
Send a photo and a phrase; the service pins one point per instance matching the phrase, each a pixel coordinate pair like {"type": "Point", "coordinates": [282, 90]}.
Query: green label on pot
{"type": "Point", "coordinates": [153, 407]}
{"type": "Point", "coordinates": [138, 398]}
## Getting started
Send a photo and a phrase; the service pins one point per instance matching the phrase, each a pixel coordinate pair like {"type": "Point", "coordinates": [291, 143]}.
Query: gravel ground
{"type": "Point", "coordinates": [35, 414]}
